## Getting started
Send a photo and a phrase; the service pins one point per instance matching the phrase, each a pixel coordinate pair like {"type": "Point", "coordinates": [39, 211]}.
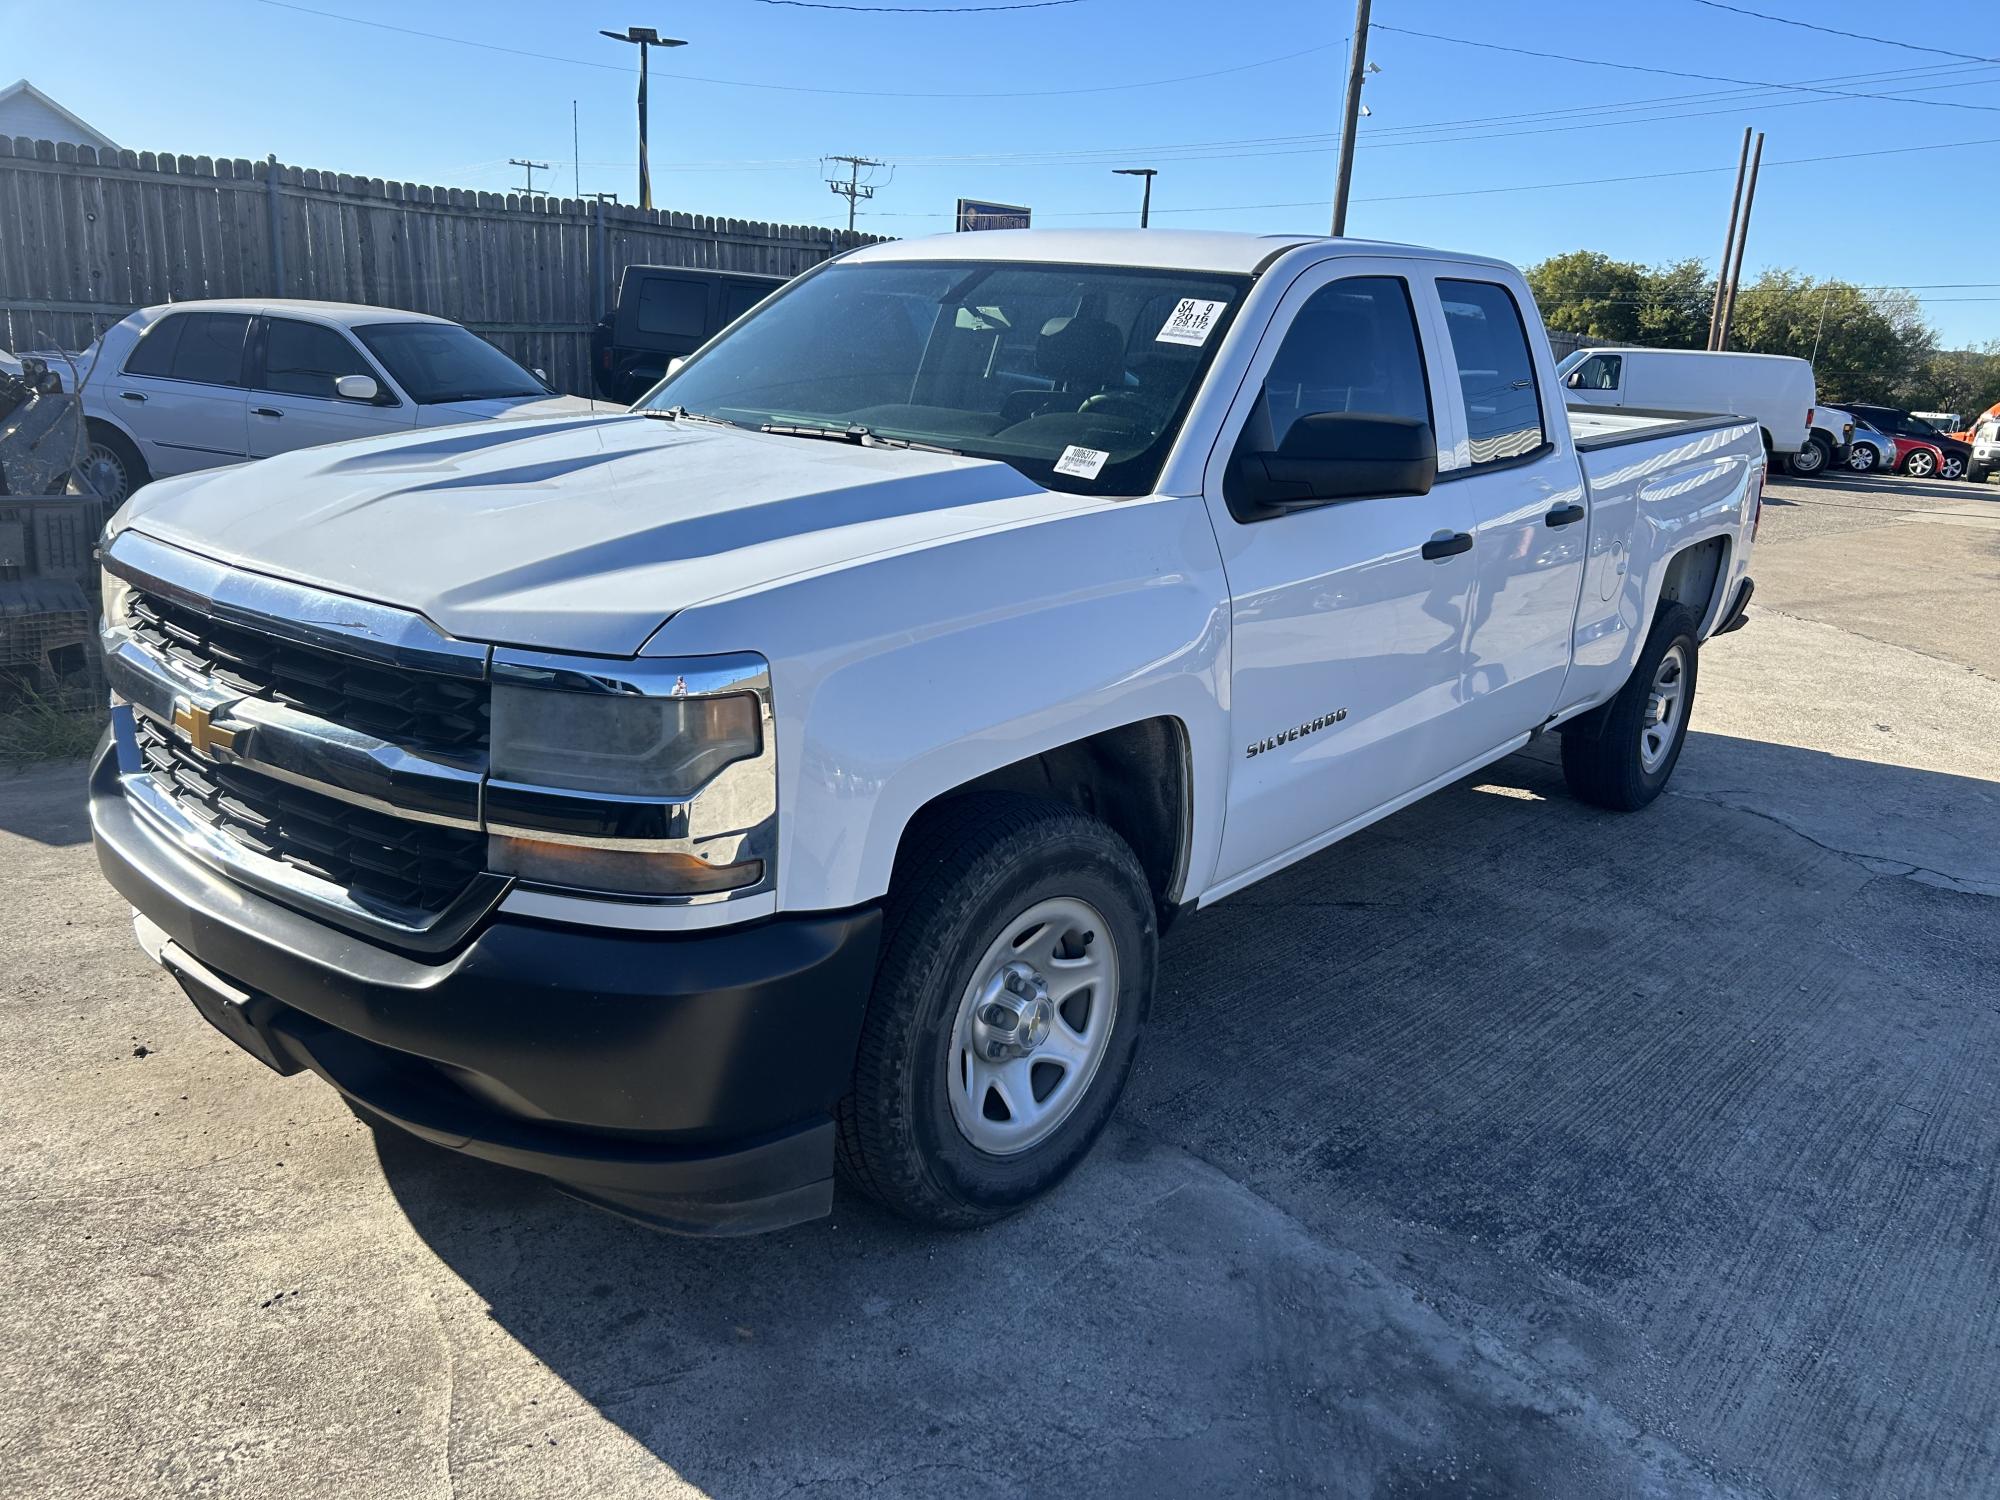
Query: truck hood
{"type": "Point", "coordinates": [581, 535]}
{"type": "Point", "coordinates": [445, 413]}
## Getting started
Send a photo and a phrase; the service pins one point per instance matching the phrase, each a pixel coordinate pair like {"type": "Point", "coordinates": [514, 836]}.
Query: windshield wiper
{"type": "Point", "coordinates": [856, 435]}
{"type": "Point", "coordinates": [682, 414]}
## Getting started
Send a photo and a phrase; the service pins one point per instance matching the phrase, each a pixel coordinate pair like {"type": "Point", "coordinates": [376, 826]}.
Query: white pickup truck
{"type": "Point", "coordinates": [801, 768]}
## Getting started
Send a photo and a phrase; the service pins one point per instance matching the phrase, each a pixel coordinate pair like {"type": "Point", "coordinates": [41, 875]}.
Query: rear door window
{"type": "Point", "coordinates": [210, 348]}
{"type": "Point", "coordinates": [1496, 370]}
{"type": "Point", "coordinates": [155, 352]}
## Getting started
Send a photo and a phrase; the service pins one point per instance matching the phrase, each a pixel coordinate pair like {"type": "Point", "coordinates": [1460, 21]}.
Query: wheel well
{"type": "Point", "coordinates": [1693, 575]}
{"type": "Point", "coordinates": [1134, 777]}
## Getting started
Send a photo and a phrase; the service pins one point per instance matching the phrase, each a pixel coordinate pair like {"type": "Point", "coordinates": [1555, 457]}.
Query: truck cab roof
{"type": "Point", "coordinates": [1229, 251]}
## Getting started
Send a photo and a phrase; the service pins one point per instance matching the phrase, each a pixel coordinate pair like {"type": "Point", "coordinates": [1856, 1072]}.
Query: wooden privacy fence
{"type": "Point", "coordinates": [87, 236]}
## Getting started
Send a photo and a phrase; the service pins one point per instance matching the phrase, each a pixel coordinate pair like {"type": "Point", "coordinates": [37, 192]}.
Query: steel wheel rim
{"type": "Point", "coordinates": [1045, 995]}
{"type": "Point", "coordinates": [1952, 467]}
{"type": "Point", "coordinates": [1810, 459]}
{"type": "Point", "coordinates": [1664, 706]}
{"type": "Point", "coordinates": [1920, 465]}
{"type": "Point", "coordinates": [104, 472]}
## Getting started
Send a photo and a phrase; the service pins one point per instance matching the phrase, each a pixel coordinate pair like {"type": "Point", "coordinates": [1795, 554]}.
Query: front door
{"type": "Point", "coordinates": [293, 403]}
{"type": "Point", "coordinates": [1346, 640]}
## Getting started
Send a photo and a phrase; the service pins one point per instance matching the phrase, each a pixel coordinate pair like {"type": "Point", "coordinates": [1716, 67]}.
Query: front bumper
{"type": "Point", "coordinates": [684, 1080]}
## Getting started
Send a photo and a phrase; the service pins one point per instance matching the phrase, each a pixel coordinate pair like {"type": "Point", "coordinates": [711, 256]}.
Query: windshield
{"type": "Point", "coordinates": [439, 362]}
{"type": "Point", "coordinates": [1571, 361]}
{"type": "Point", "coordinates": [1078, 376]}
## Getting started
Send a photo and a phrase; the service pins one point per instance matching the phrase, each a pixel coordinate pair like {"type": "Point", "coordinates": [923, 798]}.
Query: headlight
{"type": "Point", "coordinates": [117, 596]}
{"type": "Point", "coordinates": [619, 745]}
{"type": "Point", "coordinates": [640, 778]}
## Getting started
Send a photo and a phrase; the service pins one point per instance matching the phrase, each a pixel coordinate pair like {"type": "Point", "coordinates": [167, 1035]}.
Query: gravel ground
{"type": "Point", "coordinates": [1510, 1147]}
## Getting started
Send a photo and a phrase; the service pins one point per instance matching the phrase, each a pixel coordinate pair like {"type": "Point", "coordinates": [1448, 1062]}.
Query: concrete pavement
{"type": "Point", "coordinates": [1510, 1147]}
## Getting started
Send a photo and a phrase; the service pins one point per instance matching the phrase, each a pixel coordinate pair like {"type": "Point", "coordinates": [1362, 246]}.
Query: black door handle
{"type": "Point", "coordinates": [1438, 548]}
{"type": "Point", "coordinates": [132, 395]}
{"type": "Point", "coordinates": [267, 411]}
{"type": "Point", "coordinates": [1565, 515]}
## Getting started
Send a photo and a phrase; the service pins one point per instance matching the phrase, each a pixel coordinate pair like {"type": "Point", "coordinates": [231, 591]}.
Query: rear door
{"type": "Point", "coordinates": [1346, 641]}
{"type": "Point", "coordinates": [293, 404]}
{"type": "Point", "coordinates": [181, 391]}
{"type": "Point", "coordinates": [1518, 473]}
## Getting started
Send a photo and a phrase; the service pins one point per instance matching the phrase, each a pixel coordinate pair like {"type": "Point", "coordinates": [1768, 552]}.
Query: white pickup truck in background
{"type": "Point", "coordinates": [804, 765]}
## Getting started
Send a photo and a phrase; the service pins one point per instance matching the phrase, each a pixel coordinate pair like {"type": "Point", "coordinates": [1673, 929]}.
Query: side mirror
{"type": "Point", "coordinates": [356, 388]}
{"type": "Point", "coordinates": [676, 362]}
{"type": "Point", "coordinates": [1575, 380]}
{"type": "Point", "coordinates": [1337, 455]}
{"type": "Point", "coordinates": [542, 375]}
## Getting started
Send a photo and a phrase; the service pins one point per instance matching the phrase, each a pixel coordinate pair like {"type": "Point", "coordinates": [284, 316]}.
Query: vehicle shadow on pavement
{"type": "Point", "coordinates": [1509, 1145]}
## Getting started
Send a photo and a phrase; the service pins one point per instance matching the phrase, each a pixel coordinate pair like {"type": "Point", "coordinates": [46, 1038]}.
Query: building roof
{"type": "Point", "coordinates": [92, 136]}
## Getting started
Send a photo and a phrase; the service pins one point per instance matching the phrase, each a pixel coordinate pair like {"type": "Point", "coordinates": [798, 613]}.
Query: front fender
{"type": "Point", "coordinates": [898, 679]}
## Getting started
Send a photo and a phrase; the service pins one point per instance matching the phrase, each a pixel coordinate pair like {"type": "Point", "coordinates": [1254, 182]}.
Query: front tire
{"type": "Point", "coordinates": [1017, 968]}
{"type": "Point", "coordinates": [1622, 755]}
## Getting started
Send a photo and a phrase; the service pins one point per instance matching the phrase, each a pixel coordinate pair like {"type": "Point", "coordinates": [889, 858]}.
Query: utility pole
{"type": "Point", "coordinates": [575, 152]}
{"type": "Point", "coordinates": [1742, 238]}
{"type": "Point", "coordinates": [853, 189]}
{"type": "Point", "coordinates": [532, 166]}
{"type": "Point", "coordinates": [1728, 241]}
{"type": "Point", "coordinates": [644, 38]}
{"type": "Point", "coordinates": [1145, 203]}
{"type": "Point", "coordinates": [1357, 63]}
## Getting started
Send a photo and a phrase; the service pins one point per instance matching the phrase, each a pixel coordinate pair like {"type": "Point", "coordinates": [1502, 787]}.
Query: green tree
{"type": "Point", "coordinates": [1676, 301]}
{"type": "Point", "coordinates": [1966, 381]}
{"type": "Point", "coordinates": [1588, 292]}
{"type": "Point", "coordinates": [1863, 348]}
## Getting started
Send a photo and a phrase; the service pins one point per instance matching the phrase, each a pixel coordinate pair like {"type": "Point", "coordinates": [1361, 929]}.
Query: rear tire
{"type": "Point", "coordinates": [1921, 464]}
{"type": "Point", "coordinates": [1863, 459]}
{"type": "Point", "coordinates": [1622, 755]}
{"type": "Point", "coordinates": [113, 466]}
{"type": "Point", "coordinates": [930, 1128]}
{"type": "Point", "coordinates": [1951, 466]}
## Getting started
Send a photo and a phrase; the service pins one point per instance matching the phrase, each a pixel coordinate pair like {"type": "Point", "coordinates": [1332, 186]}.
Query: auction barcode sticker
{"type": "Point", "coordinates": [1082, 462]}
{"type": "Point", "coordinates": [1190, 322]}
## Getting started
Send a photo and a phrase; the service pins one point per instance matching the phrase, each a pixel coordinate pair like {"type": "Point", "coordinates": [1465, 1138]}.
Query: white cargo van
{"type": "Point", "coordinates": [1773, 390]}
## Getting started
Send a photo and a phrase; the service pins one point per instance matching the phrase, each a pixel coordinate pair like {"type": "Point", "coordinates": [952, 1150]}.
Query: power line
{"type": "Point", "coordinates": [1598, 62]}
{"type": "Point", "coordinates": [1852, 36]}
{"type": "Point", "coordinates": [920, 10]}
{"type": "Point", "coordinates": [800, 88]}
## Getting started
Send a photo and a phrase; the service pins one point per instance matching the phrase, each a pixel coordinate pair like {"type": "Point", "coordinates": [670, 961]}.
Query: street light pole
{"type": "Point", "coordinates": [1145, 203]}
{"type": "Point", "coordinates": [1357, 62]}
{"type": "Point", "coordinates": [643, 37]}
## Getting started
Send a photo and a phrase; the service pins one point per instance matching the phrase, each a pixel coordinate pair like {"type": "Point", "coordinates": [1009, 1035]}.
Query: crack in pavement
{"type": "Point", "coordinates": [1875, 864]}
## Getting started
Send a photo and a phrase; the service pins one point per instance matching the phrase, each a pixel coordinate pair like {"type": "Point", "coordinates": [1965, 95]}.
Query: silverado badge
{"type": "Point", "coordinates": [1311, 726]}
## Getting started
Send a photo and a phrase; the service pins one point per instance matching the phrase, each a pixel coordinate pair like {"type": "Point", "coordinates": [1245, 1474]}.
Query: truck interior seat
{"type": "Point", "coordinates": [1083, 356]}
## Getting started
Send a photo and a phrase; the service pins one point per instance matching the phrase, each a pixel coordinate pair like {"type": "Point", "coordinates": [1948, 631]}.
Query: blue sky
{"type": "Point", "coordinates": [1034, 107]}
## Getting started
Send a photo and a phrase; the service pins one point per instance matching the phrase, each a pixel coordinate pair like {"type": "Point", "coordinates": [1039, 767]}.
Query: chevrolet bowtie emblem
{"type": "Point", "coordinates": [197, 724]}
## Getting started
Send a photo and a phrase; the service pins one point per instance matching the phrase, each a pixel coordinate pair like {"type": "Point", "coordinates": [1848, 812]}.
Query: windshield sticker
{"type": "Point", "coordinates": [1191, 322]}
{"type": "Point", "coordinates": [1082, 462]}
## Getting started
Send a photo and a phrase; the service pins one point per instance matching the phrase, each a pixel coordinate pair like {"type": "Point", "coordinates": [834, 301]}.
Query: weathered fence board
{"type": "Point", "coordinates": [85, 239]}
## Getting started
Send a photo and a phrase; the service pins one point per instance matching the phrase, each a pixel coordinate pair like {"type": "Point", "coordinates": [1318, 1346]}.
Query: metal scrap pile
{"type": "Point", "coordinates": [49, 522]}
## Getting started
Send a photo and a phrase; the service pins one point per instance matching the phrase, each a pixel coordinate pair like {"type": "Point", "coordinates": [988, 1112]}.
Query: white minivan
{"type": "Point", "coordinates": [190, 385]}
{"type": "Point", "coordinates": [1773, 390]}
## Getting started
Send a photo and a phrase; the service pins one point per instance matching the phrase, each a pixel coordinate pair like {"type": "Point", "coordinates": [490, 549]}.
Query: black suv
{"type": "Point", "coordinates": [663, 313]}
{"type": "Point", "coordinates": [1950, 455]}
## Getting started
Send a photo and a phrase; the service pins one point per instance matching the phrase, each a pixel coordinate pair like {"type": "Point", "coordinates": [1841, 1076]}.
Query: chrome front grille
{"type": "Point", "coordinates": [402, 871]}
{"type": "Point", "coordinates": [420, 710]}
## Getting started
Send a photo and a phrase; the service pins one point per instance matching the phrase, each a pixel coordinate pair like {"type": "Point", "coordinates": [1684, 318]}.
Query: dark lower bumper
{"type": "Point", "coordinates": [687, 1080]}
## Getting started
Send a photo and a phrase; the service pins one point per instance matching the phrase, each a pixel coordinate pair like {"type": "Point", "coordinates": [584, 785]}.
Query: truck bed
{"type": "Point", "coordinates": [1612, 426]}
